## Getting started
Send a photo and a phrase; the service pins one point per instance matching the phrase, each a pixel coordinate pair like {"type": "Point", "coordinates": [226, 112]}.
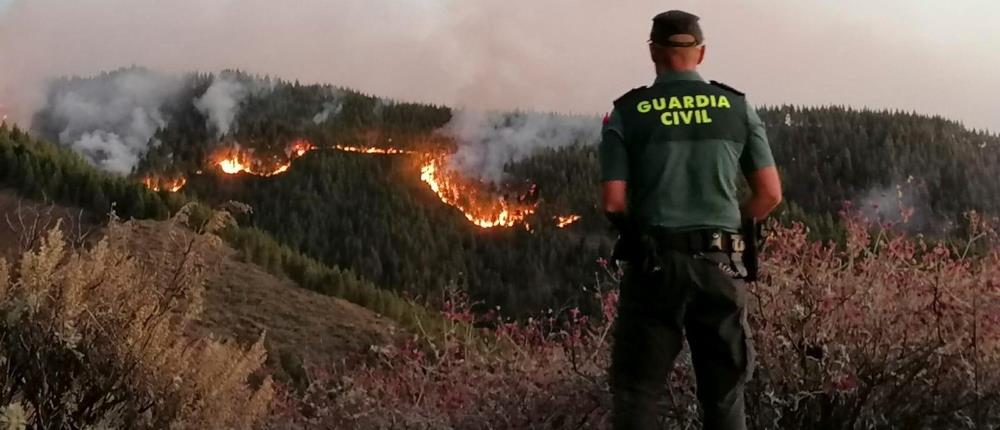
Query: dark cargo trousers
{"type": "Point", "coordinates": [692, 295]}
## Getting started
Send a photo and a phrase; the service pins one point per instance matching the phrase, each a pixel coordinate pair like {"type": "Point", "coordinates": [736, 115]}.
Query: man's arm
{"type": "Point", "coordinates": [614, 165]}
{"type": "Point", "coordinates": [758, 166]}
{"type": "Point", "coordinates": [613, 196]}
{"type": "Point", "coordinates": [766, 187]}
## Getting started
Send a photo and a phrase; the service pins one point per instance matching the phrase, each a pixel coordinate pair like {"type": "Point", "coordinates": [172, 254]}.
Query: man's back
{"type": "Point", "coordinates": [684, 144]}
{"type": "Point", "coordinates": [671, 156]}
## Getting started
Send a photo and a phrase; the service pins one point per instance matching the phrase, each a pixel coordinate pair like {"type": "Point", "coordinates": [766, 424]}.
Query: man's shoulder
{"type": "Point", "coordinates": [727, 88]}
{"type": "Point", "coordinates": [630, 94]}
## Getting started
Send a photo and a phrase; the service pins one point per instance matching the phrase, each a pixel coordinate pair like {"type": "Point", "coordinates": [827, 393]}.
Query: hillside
{"type": "Point", "coordinates": [242, 300]}
{"type": "Point", "coordinates": [417, 198]}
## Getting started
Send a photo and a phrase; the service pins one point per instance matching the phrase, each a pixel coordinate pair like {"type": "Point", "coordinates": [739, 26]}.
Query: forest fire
{"type": "Point", "coordinates": [371, 150]}
{"type": "Point", "coordinates": [482, 210]}
{"type": "Point", "coordinates": [480, 206]}
{"type": "Point", "coordinates": [172, 185]}
{"type": "Point", "coordinates": [299, 148]}
{"type": "Point", "coordinates": [236, 160]}
{"type": "Point", "coordinates": [564, 221]}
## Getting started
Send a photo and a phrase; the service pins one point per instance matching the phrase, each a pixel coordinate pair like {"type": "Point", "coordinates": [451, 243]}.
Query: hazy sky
{"type": "Point", "coordinates": [934, 57]}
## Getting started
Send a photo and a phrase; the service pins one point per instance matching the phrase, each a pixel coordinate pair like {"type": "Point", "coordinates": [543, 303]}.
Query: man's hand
{"type": "Point", "coordinates": [613, 197]}
{"type": "Point", "coordinates": [766, 186]}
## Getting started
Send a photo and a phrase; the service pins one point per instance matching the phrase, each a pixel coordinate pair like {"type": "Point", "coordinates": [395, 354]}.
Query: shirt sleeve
{"type": "Point", "coordinates": [613, 157]}
{"type": "Point", "coordinates": [757, 152]}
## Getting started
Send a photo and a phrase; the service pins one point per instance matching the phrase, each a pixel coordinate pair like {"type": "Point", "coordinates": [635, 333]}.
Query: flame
{"type": "Point", "coordinates": [372, 150]}
{"type": "Point", "coordinates": [563, 221]}
{"type": "Point", "coordinates": [172, 185]}
{"type": "Point", "coordinates": [478, 207]}
{"type": "Point", "coordinates": [235, 160]}
{"type": "Point", "coordinates": [299, 148]}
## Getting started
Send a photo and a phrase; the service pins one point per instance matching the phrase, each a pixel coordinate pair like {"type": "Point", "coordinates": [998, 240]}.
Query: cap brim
{"type": "Point", "coordinates": [678, 41]}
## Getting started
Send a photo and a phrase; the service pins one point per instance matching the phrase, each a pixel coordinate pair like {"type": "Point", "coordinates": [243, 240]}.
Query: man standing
{"type": "Point", "coordinates": [671, 157]}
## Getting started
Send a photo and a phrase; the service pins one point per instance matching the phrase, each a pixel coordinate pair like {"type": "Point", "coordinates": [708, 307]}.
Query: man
{"type": "Point", "coordinates": [671, 157]}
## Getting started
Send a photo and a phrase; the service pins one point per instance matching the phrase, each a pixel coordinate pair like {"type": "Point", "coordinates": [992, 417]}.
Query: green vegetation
{"type": "Point", "coordinates": [372, 215]}
{"type": "Point", "coordinates": [64, 177]}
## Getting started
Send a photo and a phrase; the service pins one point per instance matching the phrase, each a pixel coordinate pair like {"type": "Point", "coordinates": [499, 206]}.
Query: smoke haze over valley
{"type": "Point", "coordinates": [562, 56]}
{"type": "Point", "coordinates": [360, 214]}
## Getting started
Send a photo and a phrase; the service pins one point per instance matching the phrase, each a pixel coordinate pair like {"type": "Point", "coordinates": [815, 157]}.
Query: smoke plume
{"type": "Point", "coordinates": [490, 140]}
{"type": "Point", "coordinates": [110, 120]}
{"type": "Point", "coordinates": [329, 109]}
{"type": "Point", "coordinates": [221, 102]}
{"type": "Point", "coordinates": [904, 205]}
{"type": "Point", "coordinates": [558, 55]}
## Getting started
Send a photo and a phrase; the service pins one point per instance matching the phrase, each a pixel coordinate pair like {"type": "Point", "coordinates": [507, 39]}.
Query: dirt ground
{"type": "Point", "coordinates": [241, 300]}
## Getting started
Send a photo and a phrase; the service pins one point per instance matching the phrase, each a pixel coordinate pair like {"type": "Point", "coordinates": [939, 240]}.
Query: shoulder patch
{"type": "Point", "coordinates": [630, 93]}
{"type": "Point", "coordinates": [727, 88]}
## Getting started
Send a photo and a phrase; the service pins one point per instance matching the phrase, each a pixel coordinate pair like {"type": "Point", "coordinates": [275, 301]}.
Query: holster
{"type": "Point", "coordinates": [634, 245]}
{"type": "Point", "coordinates": [753, 234]}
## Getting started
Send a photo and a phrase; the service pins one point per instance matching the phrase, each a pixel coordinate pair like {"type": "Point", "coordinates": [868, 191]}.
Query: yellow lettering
{"type": "Point", "coordinates": [665, 118]}
{"type": "Point", "coordinates": [724, 102]}
{"type": "Point", "coordinates": [660, 103]}
{"type": "Point", "coordinates": [702, 101]}
{"type": "Point", "coordinates": [686, 117]}
{"type": "Point", "coordinates": [675, 103]}
{"type": "Point", "coordinates": [705, 119]}
{"type": "Point", "coordinates": [688, 102]}
{"type": "Point", "coordinates": [644, 107]}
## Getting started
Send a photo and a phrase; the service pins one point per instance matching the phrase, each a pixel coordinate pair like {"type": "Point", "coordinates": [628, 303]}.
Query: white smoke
{"type": "Point", "coordinates": [221, 103]}
{"type": "Point", "coordinates": [111, 122]}
{"type": "Point", "coordinates": [330, 109]}
{"type": "Point", "coordinates": [488, 54]}
{"type": "Point", "coordinates": [904, 205]}
{"type": "Point", "coordinates": [490, 140]}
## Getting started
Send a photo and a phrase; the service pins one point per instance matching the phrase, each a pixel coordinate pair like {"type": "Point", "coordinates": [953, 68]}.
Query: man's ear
{"type": "Point", "coordinates": [652, 52]}
{"type": "Point", "coordinates": [701, 54]}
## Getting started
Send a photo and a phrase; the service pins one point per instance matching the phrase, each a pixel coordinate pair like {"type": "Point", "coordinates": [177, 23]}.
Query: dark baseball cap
{"type": "Point", "coordinates": [676, 28]}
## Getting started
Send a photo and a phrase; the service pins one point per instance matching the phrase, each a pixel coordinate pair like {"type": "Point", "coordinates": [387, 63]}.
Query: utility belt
{"type": "Point", "coordinates": [643, 248]}
{"type": "Point", "coordinates": [697, 241]}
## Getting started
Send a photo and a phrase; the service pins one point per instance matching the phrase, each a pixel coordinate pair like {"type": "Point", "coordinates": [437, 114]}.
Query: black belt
{"type": "Point", "coordinates": [709, 240]}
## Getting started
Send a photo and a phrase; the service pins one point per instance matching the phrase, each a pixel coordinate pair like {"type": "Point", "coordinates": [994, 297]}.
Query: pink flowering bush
{"type": "Point", "coordinates": [882, 331]}
{"type": "Point", "coordinates": [888, 331]}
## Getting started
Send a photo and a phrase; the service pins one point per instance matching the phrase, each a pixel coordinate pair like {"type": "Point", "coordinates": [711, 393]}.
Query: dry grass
{"type": "Point", "coordinates": [241, 300]}
{"type": "Point", "coordinates": [95, 337]}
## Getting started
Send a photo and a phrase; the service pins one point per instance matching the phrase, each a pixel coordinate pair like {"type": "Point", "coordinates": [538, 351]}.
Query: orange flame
{"type": "Point", "coordinates": [482, 210]}
{"type": "Point", "coordinates": [172, 185]}
{"type": "Point", "coordinates": [299, 148]}
{"type": "Point", "coordinates": [563, 221]}
{"type": "Point", "coordinates": [479, 206]}
{"type": "Point", "coordinates": [372, 150]}
{"type": "Point", "coordinates": [235, 160]}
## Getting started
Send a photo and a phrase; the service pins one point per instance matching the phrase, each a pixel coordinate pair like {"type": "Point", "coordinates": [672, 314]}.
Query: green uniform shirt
{"type": "Point", "coordinates": [681, 145]}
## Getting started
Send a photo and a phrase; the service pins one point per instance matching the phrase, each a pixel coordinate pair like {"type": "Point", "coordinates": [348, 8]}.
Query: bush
{"type": "Point", "coordinates": [95, 338]}
{"type": "Point", "coordinates": [881, 331]}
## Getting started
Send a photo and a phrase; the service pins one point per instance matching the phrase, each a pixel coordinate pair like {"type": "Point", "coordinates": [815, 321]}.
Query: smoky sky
{"type": "Point", "coordinates": [571, 56]}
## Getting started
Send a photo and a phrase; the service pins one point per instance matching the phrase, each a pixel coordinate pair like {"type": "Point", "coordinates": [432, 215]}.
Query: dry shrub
{"type": "Point", "coordinates": [882, 332]}
{"type": "Point", "coordinates": [888, 331]}
{"type": "Point", "coordinates": [517, 375]}
{"type": "Point", "coordinates": [95, 338]}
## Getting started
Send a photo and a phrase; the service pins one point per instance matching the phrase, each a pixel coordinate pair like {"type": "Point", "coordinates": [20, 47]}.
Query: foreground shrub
{"type": "Point", "coordinates": [885, 331]}
{"type": "Point", "coordinates": [96, 339]}
{"type": "Point", "coordinates": [878, 332]}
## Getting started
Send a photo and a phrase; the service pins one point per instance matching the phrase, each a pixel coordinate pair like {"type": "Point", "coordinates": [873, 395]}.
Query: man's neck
{"type": "Point", "coordinates": [663, 70]}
